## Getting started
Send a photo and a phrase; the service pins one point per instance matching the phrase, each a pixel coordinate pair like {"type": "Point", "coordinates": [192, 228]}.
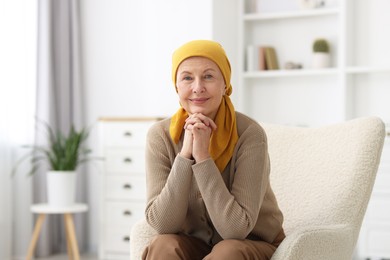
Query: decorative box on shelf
{"type": "Point", "coordinates": [123, 188]}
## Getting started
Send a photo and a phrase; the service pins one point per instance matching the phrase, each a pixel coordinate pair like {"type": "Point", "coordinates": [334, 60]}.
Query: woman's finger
{"type": "Point", "coordinates": [191, 121]}
{"type": "Point", "coordinates": [206, 120]}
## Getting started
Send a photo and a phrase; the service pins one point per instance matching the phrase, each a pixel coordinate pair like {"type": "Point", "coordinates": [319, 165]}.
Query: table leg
{"type": "Point", "coordinates": [68, 243]}
{"type": "Point", "coordinates": [69, 225]}
{"type": "Point", "coordinates": [35, 236]}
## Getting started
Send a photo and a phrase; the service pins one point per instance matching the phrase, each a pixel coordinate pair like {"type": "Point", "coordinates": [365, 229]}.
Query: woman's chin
{"type": "Point", "coordinates": [199, 111]}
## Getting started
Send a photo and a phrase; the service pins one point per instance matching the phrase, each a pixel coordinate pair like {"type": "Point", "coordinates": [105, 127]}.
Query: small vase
{"type": "Point", "coordinates": [61, 188]}
{"type": "Point", "coordinates": [320, 60]}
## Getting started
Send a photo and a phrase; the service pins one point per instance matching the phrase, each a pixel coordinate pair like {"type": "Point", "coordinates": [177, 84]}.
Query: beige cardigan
{"type": "Point", "coordinates": [196, 199]}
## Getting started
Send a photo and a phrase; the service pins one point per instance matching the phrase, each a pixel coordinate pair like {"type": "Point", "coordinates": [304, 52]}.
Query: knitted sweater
{"type": "Point", "coordinates": [196, 199]}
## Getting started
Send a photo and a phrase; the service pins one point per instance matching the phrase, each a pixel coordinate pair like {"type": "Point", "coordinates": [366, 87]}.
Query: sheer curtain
{"type": "Point", "coordinates": [17, 95]}
{"type": "Point", "coordinates": [52, 28]}
{"type": "Point", "coordinates": [59, 102]}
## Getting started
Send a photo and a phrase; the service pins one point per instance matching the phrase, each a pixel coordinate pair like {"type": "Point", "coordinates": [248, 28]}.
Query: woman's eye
{"type": "Point", "coordinates": [187, 78]}
{"type": "Point", "coordinates": [208, 76]}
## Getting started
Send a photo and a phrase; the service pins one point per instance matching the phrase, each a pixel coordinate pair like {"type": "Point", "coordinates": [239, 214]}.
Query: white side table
{"type": "Point", "coordinates": [43, 210]}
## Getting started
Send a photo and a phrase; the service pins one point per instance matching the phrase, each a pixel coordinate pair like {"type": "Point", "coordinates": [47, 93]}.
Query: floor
{"type": "Point", "coordinates": [65, 257]}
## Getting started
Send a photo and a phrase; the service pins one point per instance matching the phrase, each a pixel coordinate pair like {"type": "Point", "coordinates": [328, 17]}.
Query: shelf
{"type": "Point", "coordinates": [290, 73]}
{"type": "Point", "coordinates": [355, 85]}
{"type": "Point", "coordinates": [290, 14]}
{"type": "Point", "coordinates": [362, 70]}
{"type": "Point", "coordinates": [312, 72]}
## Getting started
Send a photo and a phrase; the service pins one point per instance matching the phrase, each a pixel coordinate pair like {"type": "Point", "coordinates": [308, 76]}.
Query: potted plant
{"type": "Point", "coordinates": [321, 56]}
{"type": "Point", "coordinates": [63, 154]}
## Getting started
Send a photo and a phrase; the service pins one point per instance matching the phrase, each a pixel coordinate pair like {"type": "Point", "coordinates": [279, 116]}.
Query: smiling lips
{"type": "Point", "coordinates": [198, 100]}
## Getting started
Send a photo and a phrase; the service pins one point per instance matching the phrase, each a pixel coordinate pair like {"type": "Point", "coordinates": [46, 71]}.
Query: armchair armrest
{"type": "Point", "coordinates": [331, 242]}
{"type": "Point", "coordinates": [140, 236]}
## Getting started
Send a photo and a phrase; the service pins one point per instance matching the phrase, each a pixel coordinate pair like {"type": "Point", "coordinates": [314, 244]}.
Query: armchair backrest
{"type": "Point", "coordinates": [325, 175]}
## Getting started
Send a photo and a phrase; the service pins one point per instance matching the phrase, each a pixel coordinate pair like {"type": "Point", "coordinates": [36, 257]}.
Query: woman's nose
{"type": "Point", "coordinates": [198, 86]}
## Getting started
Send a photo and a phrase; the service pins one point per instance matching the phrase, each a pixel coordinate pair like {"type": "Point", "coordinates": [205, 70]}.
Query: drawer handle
{"type": "Point", "coordinates": [127, 213]}
{"type": "Point", "coordinates": [127, 134]}
{"type": "Point", "coordinates": [126, 239]}
{"type": "Point", "coordinates": [127, 160]}
{"type": "Point", "coordinates": [127, 186]}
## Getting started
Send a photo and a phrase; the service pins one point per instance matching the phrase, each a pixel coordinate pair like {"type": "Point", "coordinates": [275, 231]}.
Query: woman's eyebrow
{"type": "Point", "coordinates": [212, 69]}
{"type": "Point", "coordinates": [184, 72]}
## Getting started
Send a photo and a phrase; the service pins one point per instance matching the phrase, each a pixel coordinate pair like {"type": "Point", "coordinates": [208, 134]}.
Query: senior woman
{"type": "Point", "coordinates": [207, 169]}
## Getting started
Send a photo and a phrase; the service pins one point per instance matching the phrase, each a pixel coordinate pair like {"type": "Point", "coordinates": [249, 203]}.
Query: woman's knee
{"type": "Point", "coordinates": [232, 249]}
{"type": "Point", "coordinates": [164, 238]}
{"type": "Point", "coordinates": [164, 245]}
{"type": "Point", "coordinates": [228, 249]}
{"type": "Point", "coordinates": [176, 246]}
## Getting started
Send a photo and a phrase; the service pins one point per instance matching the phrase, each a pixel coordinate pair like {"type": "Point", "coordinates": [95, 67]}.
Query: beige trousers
{"type": "Point", "coordinates": [180, 246]}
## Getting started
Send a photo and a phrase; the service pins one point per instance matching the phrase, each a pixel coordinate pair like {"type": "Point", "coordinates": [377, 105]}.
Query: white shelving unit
{"type": "Point", "coordinates": [352, 87]}
{"type": "Point", "coordinates": [367, 62]}
{"type": "Point", "coordinates": [290, 14]}
{"type": "Point", "coordinates": [356, 84]}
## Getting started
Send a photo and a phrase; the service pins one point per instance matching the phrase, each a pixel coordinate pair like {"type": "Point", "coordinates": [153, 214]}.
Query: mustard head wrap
{"type": "Point", "coordinates": [224, 138]}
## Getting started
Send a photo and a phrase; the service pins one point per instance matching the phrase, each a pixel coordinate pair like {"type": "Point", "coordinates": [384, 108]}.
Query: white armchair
{"type": "Point", "coordinates": [322, 178]}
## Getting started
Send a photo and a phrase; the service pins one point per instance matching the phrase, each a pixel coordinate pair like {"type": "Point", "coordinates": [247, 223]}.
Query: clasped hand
{"type": "Point", "coordinates": [197, 135]}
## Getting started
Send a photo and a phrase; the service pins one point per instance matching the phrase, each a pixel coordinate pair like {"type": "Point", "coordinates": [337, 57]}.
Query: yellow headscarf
{"type": "Point", "coordinates": [224, 138]}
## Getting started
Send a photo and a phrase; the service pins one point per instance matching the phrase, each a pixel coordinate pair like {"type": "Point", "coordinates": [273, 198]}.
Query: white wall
{"type": "Point", "coordinates": [127, 47]}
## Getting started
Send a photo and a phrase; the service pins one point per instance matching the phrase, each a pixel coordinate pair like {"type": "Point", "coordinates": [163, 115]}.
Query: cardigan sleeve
{"type": "Point", "coordinates": [234, 212]}
{"type": "Point", "coordinates": [167, 184]}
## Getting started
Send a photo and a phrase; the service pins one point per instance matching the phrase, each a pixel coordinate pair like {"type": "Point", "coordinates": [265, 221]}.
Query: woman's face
{"type": "Point", "coordinates": [200, 85]}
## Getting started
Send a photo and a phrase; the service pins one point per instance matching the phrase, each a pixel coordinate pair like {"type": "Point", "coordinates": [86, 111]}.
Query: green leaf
{"type": "Point", "coordinates": [63, 153]}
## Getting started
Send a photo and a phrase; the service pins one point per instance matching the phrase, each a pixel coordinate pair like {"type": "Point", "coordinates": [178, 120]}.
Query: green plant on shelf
{"type": "Point", "coordinates": [321, 45]}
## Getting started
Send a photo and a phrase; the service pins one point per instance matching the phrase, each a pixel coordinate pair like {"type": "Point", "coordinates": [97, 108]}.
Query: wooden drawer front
{"type": "Point", "coordinates": [125, 134]}
{"type": "Point", "coordinates": [125, 161]}
{"type": "Point", "coordinates": [126, 187]}
{"type": "Point", "coordinates": [379, 208]}
{"type": "Point", "coordinates": [118, 241]}
{"type": "Point", "coordinates": [122, 215]}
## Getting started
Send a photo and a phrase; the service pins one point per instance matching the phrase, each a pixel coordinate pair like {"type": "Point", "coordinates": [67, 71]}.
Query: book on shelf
{"type": "Point", "coordinates": [271, 60]}
{"type": "Point", "coordinates": [261, 58]}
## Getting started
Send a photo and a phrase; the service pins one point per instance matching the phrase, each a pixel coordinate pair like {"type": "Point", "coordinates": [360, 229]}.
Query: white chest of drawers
{"type": "Point", "coordinates": [123, 188]}
{"type": "Point", "coordinates": [374, 238]}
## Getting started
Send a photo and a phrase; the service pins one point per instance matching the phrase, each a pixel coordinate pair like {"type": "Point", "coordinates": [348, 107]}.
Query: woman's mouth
{"type": "Point", "coordinates": [198, 100]}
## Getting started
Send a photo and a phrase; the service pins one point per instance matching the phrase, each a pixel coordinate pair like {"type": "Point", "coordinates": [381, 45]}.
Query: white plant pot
{"type": "Point", "coordinates": [320, 60]}
{"type": "Point", "coordinates": [310, 4]}
{"type": "Point", "coordinates": [61, 188]}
